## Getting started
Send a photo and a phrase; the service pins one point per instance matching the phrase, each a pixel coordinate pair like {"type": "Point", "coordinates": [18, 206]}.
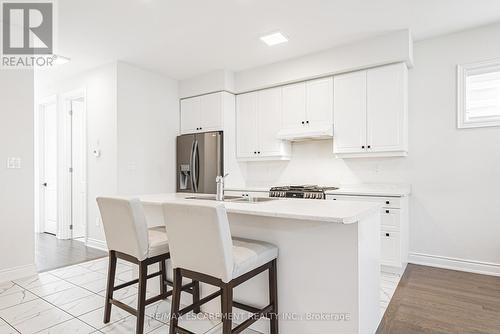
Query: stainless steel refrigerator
{"type": "Point", "coordinates": [200, 159]}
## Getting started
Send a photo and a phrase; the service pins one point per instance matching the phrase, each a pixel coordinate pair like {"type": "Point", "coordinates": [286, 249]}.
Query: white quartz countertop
{"type": "Point", "coordinates": [389, 190]}
{"type": "Point", "coordinates": [342, 212]}
{"type": "Point", "coordinates": [385, 190]}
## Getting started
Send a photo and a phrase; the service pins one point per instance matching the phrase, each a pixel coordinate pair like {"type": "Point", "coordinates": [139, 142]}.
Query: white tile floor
{"type": "Point", "coordinates": [388, 284]}
{"type": "Point", "coordinates": [71, 300]}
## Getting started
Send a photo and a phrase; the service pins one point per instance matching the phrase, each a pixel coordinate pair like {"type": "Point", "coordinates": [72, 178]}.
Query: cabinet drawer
{"type": "Point", "coordinates": [390, 248]}
{"type": "Point", "coordinates": [391, 202]}
{"type": "Point", "coordinates": [387, 202]}
{"type": "Point", "coordinates": [391, 218]}
{"type": "Point", "coordinates": [246, 193]}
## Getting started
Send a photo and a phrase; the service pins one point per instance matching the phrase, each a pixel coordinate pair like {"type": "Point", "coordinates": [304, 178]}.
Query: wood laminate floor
{"type": "Point", "coordinates": [439, 301]}
{"type": "Point", "coordinates": [52, 253]}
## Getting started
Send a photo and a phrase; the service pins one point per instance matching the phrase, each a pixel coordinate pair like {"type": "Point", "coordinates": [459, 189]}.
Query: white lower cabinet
{"type": "Point", "coordinates": [390, 248]}
{"type": "Point", "coordinates": [394, 229]}
{"type": "Point", "coordinates": [391, 218]}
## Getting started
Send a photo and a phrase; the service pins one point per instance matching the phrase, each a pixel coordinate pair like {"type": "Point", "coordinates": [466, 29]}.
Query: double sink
{"type": "Point", "coordinates": [234, 199]}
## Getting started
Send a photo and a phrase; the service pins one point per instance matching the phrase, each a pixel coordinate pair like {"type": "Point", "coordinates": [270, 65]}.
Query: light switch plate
{"type": "Point", "coordinates": [13, 162]}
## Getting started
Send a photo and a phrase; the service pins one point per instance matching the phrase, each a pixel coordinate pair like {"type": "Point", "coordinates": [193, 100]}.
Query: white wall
{"type": "Point", "coordinates": [389, 48]}
{"type": "Point", "coordinates": [16, 190]}
{"type": "Point", "coordinates": [133, 119]}
{"type": "Point", "coordinates": [218, 80]}
{"type": "Point", "coordinates": [100, 87]}
{"type": "Point", "coordinates": [455, 174]}
{"type": "Point", "coordinates": [148, 123]}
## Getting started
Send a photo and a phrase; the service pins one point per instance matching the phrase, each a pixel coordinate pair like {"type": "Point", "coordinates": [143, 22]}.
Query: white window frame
{"type": "Point", "coordinates": [463, 71]}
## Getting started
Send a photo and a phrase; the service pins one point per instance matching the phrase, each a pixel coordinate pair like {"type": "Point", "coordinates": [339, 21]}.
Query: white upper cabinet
{"type": "Point", "coordinates": [268, 121]}
{"type": "Point", "coordinates": [319, 105]}
{"type": "Point", "coordinates": [190, 115]}
{"type": "Point", "coordinates": [307, 110]}
{"type": "Point", "coordinates": [211, 112]}
{"type": "Point", "coordinates": [387, 113]}
{"type": "Point", "coordinates": [294, 107]}
{"type": "Point", "coordinates": [349, 112]}
{"type": "Point", "coordinates": [202, 113]}
{"type": "Point", "coordinates": [371, 112]}
{"type": "Point", "coordinates": [246, 125]}
{"type": "Point", "coordinates": [258, 120]}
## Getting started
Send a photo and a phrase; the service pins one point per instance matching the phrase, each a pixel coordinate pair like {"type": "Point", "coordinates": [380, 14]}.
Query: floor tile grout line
{"type": "Point", "coordinates": [8, 324]}
{"type": "Point", "coordinates": [55, 306]}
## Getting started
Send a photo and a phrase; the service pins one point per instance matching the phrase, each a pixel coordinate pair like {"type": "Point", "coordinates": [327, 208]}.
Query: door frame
{"type": "Point", "coordinates": [65, 228]}
{"type": "Point", "coordinates": [40, 160]}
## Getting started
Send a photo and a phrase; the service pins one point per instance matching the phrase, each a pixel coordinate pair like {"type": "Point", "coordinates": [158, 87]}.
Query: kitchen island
{"type": "Point", "coordinates": [328, 265]}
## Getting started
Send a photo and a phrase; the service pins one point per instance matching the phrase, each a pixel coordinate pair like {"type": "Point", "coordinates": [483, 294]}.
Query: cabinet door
{"type": "Point", "coordinates": [294, 107]}
{"type": "Point", "coordinates": [246, 125]}
{"type": "Point", "coordinates": [320, 103]}
{"type": "Point", "coordinates": [269, 121]}
{"type": "Point", "coordinates": [190, 115]}
{"type": "Point", "coordinates": [390, 248]}
{"type": "Point", "coordinates": [386, 108]}
{"type": "Point", "coordinates": [211, 112]}
{"type": "Point", "coordinates": [349, 113]}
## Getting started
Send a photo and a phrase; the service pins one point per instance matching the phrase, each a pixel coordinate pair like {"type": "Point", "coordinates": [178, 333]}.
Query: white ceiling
{"type": "Point", "coordinates": [184, 38]}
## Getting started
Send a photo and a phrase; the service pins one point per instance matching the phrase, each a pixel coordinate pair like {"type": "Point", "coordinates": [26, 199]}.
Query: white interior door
{"type": "Point", "coordinates": [49, 169]}
{"type": "Point", "coordinates": [78, 163]}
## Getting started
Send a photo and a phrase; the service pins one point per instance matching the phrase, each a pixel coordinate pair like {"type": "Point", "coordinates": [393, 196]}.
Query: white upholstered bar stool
{"type": "Point", "coordinates": [202, 249]}
{"type": "Point", "coordinates": [128, 238]}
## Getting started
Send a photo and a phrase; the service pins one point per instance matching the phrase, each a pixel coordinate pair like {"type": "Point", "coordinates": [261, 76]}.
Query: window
{"type": "Point", "coordinates": [479, 94]}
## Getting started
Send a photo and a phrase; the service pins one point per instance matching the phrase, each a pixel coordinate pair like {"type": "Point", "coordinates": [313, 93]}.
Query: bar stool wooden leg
{"type": "Point", "coordinates": [196, 295]}
{"type": "Point", "coordinates": [141, 303]}
{"type": "Point", "coordinates": [163, 285]}
{"type": "Point", "coordinates": [110, 287]}
{"type": "Point", "coordinates": [176, 301]}
{"type": "Point", "coordinates": [273, 296]}
{"type": "Point", "coordinates": [227, 309]}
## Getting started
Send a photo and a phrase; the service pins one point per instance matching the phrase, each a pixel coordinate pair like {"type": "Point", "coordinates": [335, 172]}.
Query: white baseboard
{"type": "Point", "coordinates": [98, 244]}
{"type": "Point", "coordinates": [478, 267]}
{"type": "Point", "coordinates": [11, 274]}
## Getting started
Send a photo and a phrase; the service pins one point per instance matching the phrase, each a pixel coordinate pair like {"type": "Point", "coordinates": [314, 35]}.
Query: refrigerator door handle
{"type": "Point", "coordinates": [192, 168]}
{"type": "Point", "coordinates": [195, 168]}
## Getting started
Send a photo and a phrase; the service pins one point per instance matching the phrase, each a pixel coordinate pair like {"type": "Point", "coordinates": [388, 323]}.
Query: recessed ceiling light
{"type": "Point", "coordinates": [60, 60]}
{"type": "Point", "coordinates": [274, 39]}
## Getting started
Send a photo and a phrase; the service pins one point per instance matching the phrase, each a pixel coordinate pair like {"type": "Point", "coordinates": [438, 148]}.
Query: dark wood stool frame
{"type": "Point", "coordinates": [192, 288]}
{"type": "Point", "coordinates": [226, 293]}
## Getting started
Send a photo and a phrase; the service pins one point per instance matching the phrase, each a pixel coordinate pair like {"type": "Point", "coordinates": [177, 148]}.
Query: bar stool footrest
{"type": "Point", "coordinates": [255, 316]}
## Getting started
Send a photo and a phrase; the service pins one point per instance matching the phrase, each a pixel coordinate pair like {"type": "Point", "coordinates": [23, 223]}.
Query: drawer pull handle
{"type": "Point", "coordinates": [387, 235]}
{"type": "Point", "coordinates": [386, 211]}
{"type": "Point", "coordinates": [387, 202]}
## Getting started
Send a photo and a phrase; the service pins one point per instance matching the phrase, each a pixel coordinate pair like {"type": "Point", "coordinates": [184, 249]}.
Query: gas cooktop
{"type": "Point", "coordinates": [302, 191]}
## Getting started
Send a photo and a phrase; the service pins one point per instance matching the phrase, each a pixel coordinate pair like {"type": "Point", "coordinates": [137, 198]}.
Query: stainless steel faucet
{"type": "Point", "coordinates": [220, 187]}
